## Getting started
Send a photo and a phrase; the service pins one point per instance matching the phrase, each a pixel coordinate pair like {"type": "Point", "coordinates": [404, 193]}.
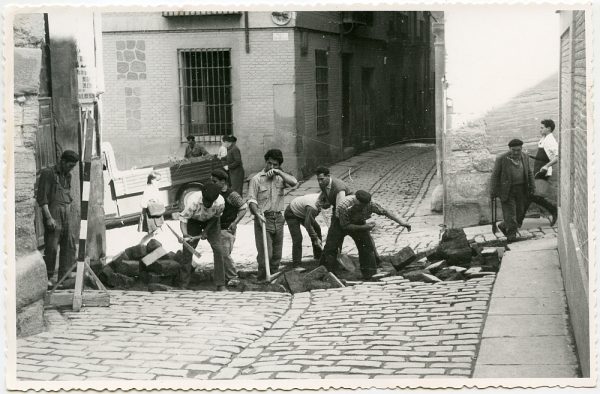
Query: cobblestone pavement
{"type": "Point", "coordinates": [392, 328]}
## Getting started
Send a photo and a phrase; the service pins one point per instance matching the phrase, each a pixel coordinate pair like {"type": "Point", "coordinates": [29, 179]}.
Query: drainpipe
{"type": "Point", "coordinates": [247, 31]}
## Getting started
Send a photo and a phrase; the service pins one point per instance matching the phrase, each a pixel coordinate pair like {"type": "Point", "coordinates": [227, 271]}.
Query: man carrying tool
{"type": "Point", "coordinates": [54, 197]}
{"type": "Point", "coordinates": [302, 211]}
{"type": "Point", "coordinates": [512, 181]}
{"type": "Point", "coordinates": [235, 209]}
{"type": "Point", "coordinates": [352, 213]}
{"type": "Point", "coordinates": [201, 217]}
{"type": "Point", "coordinates": [266, 202]}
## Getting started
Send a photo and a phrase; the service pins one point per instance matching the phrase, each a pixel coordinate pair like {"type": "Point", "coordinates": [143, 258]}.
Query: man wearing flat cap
{"type": "Point", "coordinates": [201, 217]}
{"type": "Point", "coordinates": [193, 149]}
{"type": "Point", "coordinates": [512, 181]}
{"type": "Point", "coordinates": [54, 197]}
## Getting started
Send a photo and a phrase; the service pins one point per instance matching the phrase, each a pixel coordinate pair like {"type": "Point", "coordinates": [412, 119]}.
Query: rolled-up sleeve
{"type": "Point", "coordinates": [551, 147]}
{"type": "Point", "coordinates": [253, 191]}
{"type": "Point", "coordinates": [44, 187]}
{"type": "Point", "coordinates": [188, 211]}
{"type": "Point", "coordinates": [343, 214]}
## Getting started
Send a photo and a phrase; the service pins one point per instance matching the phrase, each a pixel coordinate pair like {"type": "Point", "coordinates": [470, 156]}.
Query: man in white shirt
{"type": "Point", "coordinates": [545, 158]}
{"type": "Point", "coordinates": [201, 216]}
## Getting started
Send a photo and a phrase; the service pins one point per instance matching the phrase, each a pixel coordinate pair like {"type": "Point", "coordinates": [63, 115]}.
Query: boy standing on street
{"type": "Point", "coordinates": [266, 202]}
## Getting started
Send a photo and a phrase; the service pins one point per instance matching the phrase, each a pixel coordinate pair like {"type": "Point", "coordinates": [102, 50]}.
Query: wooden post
{"type": "Point", "coordinates": [265, 250]}
{"type": "Point", "coordinates": [78, 294]}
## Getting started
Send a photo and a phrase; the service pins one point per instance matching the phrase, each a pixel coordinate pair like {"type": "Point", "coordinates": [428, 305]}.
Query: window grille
{"type": "Point", "coordinates": [322, 86]}
{"type": "Point", "coordinates": [205, 93]}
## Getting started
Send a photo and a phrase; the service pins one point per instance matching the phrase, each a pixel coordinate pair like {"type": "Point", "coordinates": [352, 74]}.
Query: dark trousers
{"type": "Point", "coordinates": [213, 236]}
{"type": "Point", "coordinates": [542, 202]}
{"type": "Point", "coordinates": [294, 222]}
{"type": "Point", "coordinates": [364, 244]}
{"type": "Point", "coordinates": [514, 209]}
{"type": "Point", "coordinates": [274, 228]}
{"type": "Point", "coordinates": [62, 236]}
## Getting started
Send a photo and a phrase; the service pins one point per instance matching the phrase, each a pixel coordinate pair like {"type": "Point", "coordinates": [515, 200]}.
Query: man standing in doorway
{"type": "Point", "coordinates": [266, 202]}
{"type": "Point", "coordinates": [54, 197]}
{"type": "Point", "coordinates": [512, 181]}
{"type": "Point", "coordinates": [545, 177]}
{"type": "Point", "coordinates": [235, 209]}
{"type": "Point", "coordinates": [194, 150]}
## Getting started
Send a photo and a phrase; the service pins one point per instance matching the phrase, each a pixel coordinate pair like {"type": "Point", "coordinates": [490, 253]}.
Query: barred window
{"type": "Point", "coordinates": [205, 93]}
{"type": "Point", "coordinates": [322, 78]}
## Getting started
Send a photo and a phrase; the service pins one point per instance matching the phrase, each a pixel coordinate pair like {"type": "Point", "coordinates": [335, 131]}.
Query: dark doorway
{"type": "Point", "coordinates": [367, 97]}
{"type": "Point", "coordinates": [346, 100]}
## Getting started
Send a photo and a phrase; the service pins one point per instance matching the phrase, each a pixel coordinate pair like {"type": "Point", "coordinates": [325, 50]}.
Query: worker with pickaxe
{"type": "Point", "coordinates": [266, 203]}
{"type": "Point", "coordinates": [201, 217]}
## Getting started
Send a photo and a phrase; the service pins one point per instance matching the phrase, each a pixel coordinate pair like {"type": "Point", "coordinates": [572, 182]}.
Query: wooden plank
{"type": "Point", "coordinates": [154, 255]}
{"type": "Point", "coordinates": [62, 298]}
{"type": "Point", "coordinates": [78, 293]}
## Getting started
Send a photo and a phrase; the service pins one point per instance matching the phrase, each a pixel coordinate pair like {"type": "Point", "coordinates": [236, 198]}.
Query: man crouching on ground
{"type": "Point", "coordinates": [353, 212]}
{"type": "Point", "coordinates": [201, 217]}
{"type": "Point", "coordinates": [265, 199]}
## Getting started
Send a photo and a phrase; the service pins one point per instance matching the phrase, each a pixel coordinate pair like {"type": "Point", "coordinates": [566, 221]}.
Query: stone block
{"type": "Point", "coordinates": [138, 66]}
{"type": "Point", "coordinates": [152, 245]}
{"type": "Point", "coordinates": [140, 44]}
{"type": "Point", "coordinates": [126, 267]}
{"type": "Point", "coordinates": [435, 267]}
{"type": "Point", "coordinates": [27, 67]}
{"type": "Point", "coordinates": [28, 30]}
{"type": "Point", "coordinates": [130, 44]}
{"type": "Point", "coordinates": [120, 45]}
{"type": "Point", "coordinates": [30, 319]}
{"type": "Point", "coordinates": [460, 215]}
{"type": "Point", "coordinates": [132, 76]}
{"type": "Point", "coordinates": [294, 281]}
{"type": "Point", "coordinates": [31, 279]}
{"type": "Point", "coordinates": [437, 199]}
{"type": "Point", "coordinates": [129, 55]}
{"type": "Point", "coordinates": [164, 267]}
{"type": "Point", "coordinates": [122, 67]}
{"type": "Point", "coordinates": [140, 55]}
{"type": "Point", "coordinates": [136, 252]}
{"type": "Point", "coordinates": [403, 258]}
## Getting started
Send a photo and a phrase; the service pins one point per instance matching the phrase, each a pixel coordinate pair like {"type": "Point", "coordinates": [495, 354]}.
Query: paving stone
{"type": "Point", "coordinates": [203, 367]}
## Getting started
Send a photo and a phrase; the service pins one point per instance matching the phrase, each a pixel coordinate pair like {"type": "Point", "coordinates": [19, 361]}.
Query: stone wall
{"type": "Point", "coordinates": [467, 169]}
{"type": "Point", "coordinates": [30, 278]}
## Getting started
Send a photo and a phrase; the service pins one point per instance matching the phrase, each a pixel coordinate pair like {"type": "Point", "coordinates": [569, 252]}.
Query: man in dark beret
{"type": "Point", "coordinates": [512, 181]}
{"type": "Point", "coordinates": [54, 197]}
{"type": "Point", "coordinates": [193, 149]}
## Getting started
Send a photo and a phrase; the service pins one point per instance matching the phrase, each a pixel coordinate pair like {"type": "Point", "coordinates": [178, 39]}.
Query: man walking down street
{"type": "Point", "coordinates": [353, 212]}
{"type": "Point", "coordinates": [193, 149]}
{"type": "Point", "coordinates": [302, 211]}
{"type": "Point", "coordinates": [545, 177]}
{"type": "Point", "coordinates": [201, 217]}
{"type": "Point", "coordinates": [235, 209]}
{"type": "Point", "coordinates": [333, 191]}
{"type": "Point", "coordinates": [512, 181]}
{"type": "Point", "coordinates": [54, 197]}
{"type": "Point", "coordinates": [265, 199]}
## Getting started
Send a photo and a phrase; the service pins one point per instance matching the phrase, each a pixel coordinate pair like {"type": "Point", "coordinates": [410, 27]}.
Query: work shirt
{"type": "Point", "coordinates": [267, 192]}
{"type": "Point", "coordinates": [340, 194]}
{"type": "Point", "coordinates": [194, 209]}
{"type": "Point", "coordinates": [550, 146]}
{"type": "Point", "coordinates": [306, 209]}
{"type": "Point", "coordinates": [348, 211]}
{"type": "Point", "coordinates": [234, 203]}
{"type": "Point", "coordinates": [54, 187]}
{"type": "Point", "coordinates": [196, 151]}
{"type": "Point", "coordinates": [300, 205]}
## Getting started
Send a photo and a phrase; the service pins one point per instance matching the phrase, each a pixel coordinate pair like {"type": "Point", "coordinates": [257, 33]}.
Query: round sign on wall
{"type": "Point", "coordinates": [281, 17]}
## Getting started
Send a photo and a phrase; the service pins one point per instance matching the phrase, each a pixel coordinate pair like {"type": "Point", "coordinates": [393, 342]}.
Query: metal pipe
{"type": "Point", "coordinates": [247, 31]}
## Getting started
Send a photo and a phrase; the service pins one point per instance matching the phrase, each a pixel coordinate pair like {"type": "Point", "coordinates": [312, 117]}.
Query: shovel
{"type": "Point", "coordinates": [494, 214]}
{"type": "Point", "coordinates": [185, 244]}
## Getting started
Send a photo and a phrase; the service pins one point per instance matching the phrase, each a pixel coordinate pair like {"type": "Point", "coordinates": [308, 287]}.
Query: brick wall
{"type": "Point", "coordinates": [573, 200]}
{"type": "Point", "coordinates": [253, 76]}
{"type": "Point", "coordinates": [579, 171]}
